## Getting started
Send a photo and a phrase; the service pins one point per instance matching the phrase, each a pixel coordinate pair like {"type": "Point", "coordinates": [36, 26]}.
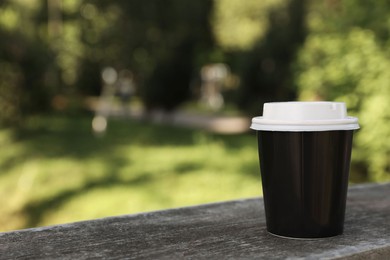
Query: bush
{"type": "Point", "coordinates": [24, 76]}
{"type": "Point", "coordinates": [353, 68]}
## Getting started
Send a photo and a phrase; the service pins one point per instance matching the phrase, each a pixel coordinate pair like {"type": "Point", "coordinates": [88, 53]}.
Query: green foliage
{"type": "Point", "coordinates": [341, 61]}
{"type": "Point", "coordinates": [24, 84]}
{"type": "Point", "coordinates": [162, 42]}
{"type": "Point", "coordinates": [266, 73]}
{"type": "Point", "coordinates": [340, 16]}
{"type": "Point", "coordinates": [55, 170]}
{"type": "Point", "coordinates": [10, 75]}
{"type": "Point", "coordinates": [238, 25]}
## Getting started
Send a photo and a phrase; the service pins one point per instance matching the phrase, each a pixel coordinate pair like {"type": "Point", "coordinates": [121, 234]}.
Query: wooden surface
{"type": "Point", "coordinates": [234, 229]}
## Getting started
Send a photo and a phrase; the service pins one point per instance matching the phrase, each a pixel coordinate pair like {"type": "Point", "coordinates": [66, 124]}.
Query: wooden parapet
{"type": "Point", "coordinates": [233, 229]}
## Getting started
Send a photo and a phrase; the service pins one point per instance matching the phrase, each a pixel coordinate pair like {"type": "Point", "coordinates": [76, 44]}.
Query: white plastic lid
{"type": "Point", "coordinates": [304, 116]}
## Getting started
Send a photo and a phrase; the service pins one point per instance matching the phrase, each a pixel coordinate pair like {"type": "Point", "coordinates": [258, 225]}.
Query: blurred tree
{"type": "Point", "coordinates": [346, 58]}
{"type": "Point", "coordinates": [266, 71]}
{"type": "Point", "coordinates": [161, 42]}
{"type": "Point", "coordinates": [169, 83]}
{"type": "Point", "coordinates": [25, 84]}
{"type": "Point", "coordinates": [238, 25]}
{"type": "Point", "coordinates": [66, 44]}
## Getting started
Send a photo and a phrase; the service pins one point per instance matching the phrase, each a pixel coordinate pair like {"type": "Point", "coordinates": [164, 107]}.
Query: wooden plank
{"type": "Point", "coordinates": [234, 229]}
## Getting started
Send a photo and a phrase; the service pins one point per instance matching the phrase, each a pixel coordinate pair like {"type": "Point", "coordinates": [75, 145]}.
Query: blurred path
{"type": "Point", "coordinates": [213, 123]}
{"type": "Point", "coordinates": [218, 124]}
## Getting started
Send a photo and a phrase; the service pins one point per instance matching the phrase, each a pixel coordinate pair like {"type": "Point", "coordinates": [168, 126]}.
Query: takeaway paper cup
{"type": "Point", "coordinates": [304, 152]}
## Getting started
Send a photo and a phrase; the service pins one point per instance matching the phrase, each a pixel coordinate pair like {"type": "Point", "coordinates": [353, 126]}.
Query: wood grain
{"type": "Point", "coordinates": [234, 229]}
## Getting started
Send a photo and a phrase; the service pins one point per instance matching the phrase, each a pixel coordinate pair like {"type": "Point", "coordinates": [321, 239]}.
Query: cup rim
{"type": "Point", "coordinates": [304, 116]}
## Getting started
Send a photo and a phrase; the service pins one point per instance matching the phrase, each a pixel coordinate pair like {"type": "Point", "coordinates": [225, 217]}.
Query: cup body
{"type": "Point", "coordinates": [305, 153]}
{"type": "Point", "coordinates": [305, 180]}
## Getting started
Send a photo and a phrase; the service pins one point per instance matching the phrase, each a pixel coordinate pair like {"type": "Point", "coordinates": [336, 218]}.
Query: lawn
{"type": "Point", "coordinates": [54, 170]}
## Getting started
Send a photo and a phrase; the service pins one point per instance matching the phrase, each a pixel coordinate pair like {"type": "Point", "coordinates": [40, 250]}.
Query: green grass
{"type": "Point", "coordinates": [55, 170]}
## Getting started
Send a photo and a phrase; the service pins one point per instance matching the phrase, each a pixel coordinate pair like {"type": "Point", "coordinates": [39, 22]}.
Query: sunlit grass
{"type": "Point", "coordinates": [55, 170]}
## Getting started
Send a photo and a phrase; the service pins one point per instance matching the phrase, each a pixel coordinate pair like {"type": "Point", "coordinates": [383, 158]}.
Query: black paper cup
{"type": "Point", "coordinates": [304, 152]}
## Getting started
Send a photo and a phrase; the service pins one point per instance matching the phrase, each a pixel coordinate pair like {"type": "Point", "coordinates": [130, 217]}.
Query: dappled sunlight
{"type": "Point", "coordinates": [238, 25]}
{"type": "Point", "coordinates": [140, 166]}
